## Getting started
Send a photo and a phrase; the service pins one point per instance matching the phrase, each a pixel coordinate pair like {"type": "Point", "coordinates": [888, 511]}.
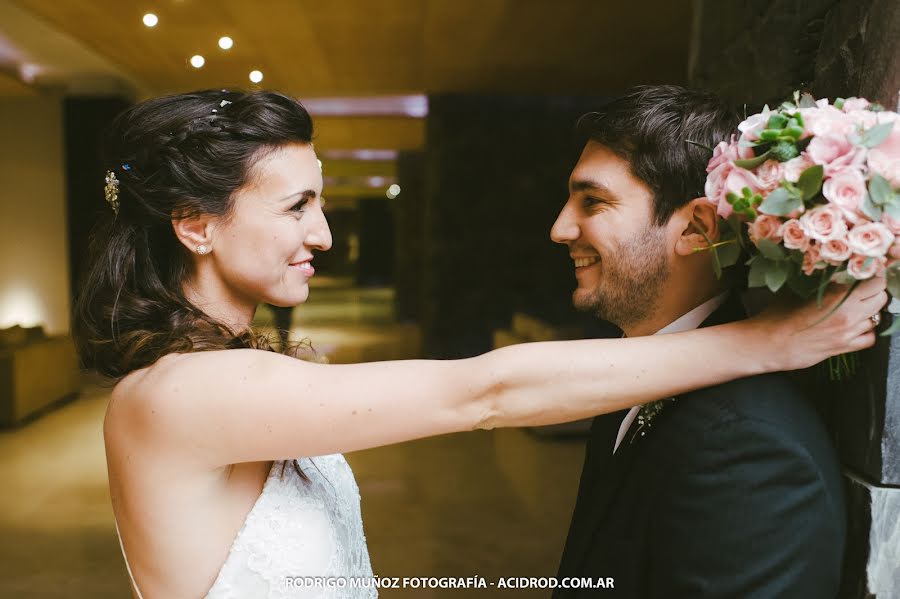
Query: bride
{"type": "Point", "coordinates": [224, 456]}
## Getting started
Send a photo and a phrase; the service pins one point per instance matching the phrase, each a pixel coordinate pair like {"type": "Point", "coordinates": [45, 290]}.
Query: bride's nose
{"type": "Point", "coordinates": [319, 235]}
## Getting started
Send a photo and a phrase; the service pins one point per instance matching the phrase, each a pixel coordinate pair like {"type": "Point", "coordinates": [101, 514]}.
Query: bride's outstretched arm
{"type": "Point", "coordinates": [234, 406]}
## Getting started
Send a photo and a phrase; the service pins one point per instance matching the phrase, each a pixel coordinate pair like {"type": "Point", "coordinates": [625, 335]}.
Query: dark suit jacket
{"type": "Point", "coordinates": [734, 491]}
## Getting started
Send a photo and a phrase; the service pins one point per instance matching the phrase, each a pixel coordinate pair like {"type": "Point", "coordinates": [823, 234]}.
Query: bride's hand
{"type": "Point", "coordinates": [800, 338]}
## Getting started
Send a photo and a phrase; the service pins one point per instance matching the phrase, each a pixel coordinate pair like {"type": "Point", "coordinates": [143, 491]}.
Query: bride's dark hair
{"type": "Point", "coordinates": [174, 157]}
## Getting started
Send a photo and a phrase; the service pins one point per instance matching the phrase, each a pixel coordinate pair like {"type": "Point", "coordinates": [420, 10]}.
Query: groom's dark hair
{"type": "Point", "coordinates": [651, 127]}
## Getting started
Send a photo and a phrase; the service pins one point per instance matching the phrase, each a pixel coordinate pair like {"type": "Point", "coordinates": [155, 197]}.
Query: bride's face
{"type": "Point", "coordinates": [263, 251]}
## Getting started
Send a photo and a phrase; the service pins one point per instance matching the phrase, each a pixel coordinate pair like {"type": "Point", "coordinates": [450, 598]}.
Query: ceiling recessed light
{"type": "Point", "coordinates": [393, 191]}
{"type": "Point", "coordinates": [197, 61]}
{"type": "Point", "coordinates": [256, 76]}
{"type": "Point", "coordinates": [226, 42]}
{"type": "Point", "coordinates": [150, 19]}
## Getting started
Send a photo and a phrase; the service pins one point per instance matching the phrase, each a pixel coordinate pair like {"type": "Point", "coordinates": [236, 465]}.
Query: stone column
{"type": "Point", "coordinates": [759, 52]}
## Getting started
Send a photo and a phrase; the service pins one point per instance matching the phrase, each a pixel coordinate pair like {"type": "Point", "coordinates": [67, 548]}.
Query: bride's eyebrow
{"type": "Point", "coordinates": [309, 194]}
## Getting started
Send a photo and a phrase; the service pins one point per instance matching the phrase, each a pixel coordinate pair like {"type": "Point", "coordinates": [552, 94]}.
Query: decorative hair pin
{"type": "Point", "coordinates": [112, 190]}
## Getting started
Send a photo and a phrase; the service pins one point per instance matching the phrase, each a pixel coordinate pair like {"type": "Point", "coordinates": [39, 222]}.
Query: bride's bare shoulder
{"type": "Point", "coordinates": [172, 377]}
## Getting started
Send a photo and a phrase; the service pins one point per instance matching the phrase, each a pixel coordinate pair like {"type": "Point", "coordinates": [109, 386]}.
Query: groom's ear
{"type": "Point", "coordinates": [699, 225]}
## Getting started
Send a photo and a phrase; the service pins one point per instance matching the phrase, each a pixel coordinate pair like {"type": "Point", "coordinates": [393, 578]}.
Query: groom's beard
{"type": "Point", "coordinates": [631, 280]}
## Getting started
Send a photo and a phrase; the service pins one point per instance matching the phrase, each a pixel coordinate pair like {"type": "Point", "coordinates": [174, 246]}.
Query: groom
{"type": "Point", "coordinates": [730, 491]}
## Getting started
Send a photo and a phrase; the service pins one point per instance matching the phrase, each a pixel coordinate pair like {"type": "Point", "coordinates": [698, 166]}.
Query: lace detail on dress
{"type": "Point", "coordinates": [298, 529]}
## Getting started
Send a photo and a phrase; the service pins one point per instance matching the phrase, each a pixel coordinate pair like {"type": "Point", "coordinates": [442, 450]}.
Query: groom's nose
{"type": "Point", "coordinates": [565, 229]}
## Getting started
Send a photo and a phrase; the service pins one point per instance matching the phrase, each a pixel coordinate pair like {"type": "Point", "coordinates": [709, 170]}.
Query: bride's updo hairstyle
{"type": "Point", "coordinates": [168, 158]}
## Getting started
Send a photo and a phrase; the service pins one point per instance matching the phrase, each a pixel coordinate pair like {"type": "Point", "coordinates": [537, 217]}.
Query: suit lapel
{"type": "Point", "coordinates": [603, 473]}
{"type": "Point", "coordinates": [600, 482]}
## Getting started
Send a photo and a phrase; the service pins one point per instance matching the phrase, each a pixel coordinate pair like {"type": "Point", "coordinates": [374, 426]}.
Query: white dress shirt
{"type": "Point", "coordinates": [688, 322]}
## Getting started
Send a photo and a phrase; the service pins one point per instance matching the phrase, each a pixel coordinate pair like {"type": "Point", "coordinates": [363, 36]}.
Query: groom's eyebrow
{"type": "Point", "coordinates": [595, 187]}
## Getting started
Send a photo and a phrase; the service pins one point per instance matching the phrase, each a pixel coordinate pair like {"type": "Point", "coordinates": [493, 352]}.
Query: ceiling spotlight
{"type": "Point", "coordinates": [226, 42]}
{"type": "Point", "coordinates": [197, 61]}
{"type": "Point", "coordinates": [150, 19]}
{"type": "Point", "coordinates": [393, 191]}
{"type": "Point", "coordinates": [256, 76]}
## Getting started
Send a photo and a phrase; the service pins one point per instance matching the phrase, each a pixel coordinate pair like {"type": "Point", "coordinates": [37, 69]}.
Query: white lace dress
{"type": "Point", "coordinates": [298, 529]}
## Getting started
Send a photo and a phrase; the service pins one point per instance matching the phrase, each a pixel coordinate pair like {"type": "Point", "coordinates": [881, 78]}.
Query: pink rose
{"type": "Point", "coordinates": [795, 238]}
{"type": "Point", "coordinates": [847, 190]}
{"type": "Point", "coordinates": [865, 267]}
{"type": "Point", "coordinates": [836, 251]}
{"type": "Point", "coordinates": [751, 127]}
{"type": "Point", "coordinates": [884, 158]}
{"type": "Point", "coordinates": [811, 261]}
{"type": "Point", "coordinates": [885, 165]}
{"type": "Point", "coordinates": [870, 239]}
{"type": "Point", "coordinates": [769, 174]}
{"type": "Point", "coordinates": [725, 179]}
{"type": "Point", "coordinates": [835, 152]}
{"type": "Point", "coordinates": [863, 118]}
{"type": "Point", "coordinates": [740, 178]}
{"type": "Point", "coordinates": [728, 152]}
{"type": "Point", "coordinates": [891, 223]}
{"type": "Point", "coordinates": [851, 104]}
{"type": "Point", "coordinates": [794, 167]}
{"type": "Point", "coordinates": [827, 121]}
{"type": "Point", "coordinates": [765, 227]}
{"type": "Point", "coordinates": [715, 188]}
{"type": "Point", "coordinates": [824, 223]}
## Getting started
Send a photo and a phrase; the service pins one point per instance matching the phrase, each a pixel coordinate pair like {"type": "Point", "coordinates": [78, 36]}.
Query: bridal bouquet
{"type": "Point", "coordinates": [810, 191]}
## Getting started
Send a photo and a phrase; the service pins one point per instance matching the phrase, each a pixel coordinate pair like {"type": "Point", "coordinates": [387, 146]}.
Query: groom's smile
{"type": "Point", "coordinates": [619, 254]}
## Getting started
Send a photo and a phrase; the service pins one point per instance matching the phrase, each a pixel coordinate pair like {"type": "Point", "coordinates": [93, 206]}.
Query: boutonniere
{"type": "Point", "coordinates": [647, 415]}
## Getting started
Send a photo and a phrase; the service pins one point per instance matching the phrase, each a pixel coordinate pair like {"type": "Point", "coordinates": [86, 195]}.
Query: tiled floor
{"type": "Point", "coordinates": [486, 504]}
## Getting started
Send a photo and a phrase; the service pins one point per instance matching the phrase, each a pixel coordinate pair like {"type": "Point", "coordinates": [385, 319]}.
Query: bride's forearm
{"type": "Point", "coordinates": [531, 385]}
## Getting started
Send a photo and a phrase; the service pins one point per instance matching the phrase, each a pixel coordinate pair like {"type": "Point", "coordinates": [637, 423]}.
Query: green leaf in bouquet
{"type": "Point", "coordinates": [870, 209]}
{"type": "Point", "coordinates": [802, 285]}
{"type": "Point", "coordinates": [799, 118]}
{"type": "Point", "coordinates": [781, 202]}
{"type": "Point", "coordinates": [893, 280]}
{"type": "Point", "coordinates": [737, 227]}
{"type": "Point", "coordinates": [875, 107]}
{"type": "Point", "coordinates": [843, 278]}
{"type": "Point", "coordinates": [758, 268]}
{"type": "Point", "coordinates": [839, 103]}
{"type": "Point", "coordinates": [794, 132]}
{"type": "Point", "coordinates": [892, 208]}
{"type": "Point", "coordinates": [776, 276]}
{"type": "Point", "coordinates": [777, 121]}
{"type": "Point", "coordinates": [895, 326]}
{"type": "Point", "coordinates": [729, 253]}
{"type": "Point", "coordinates": [752, 163]}
{"type": "Point", "coordinates": [806, 101]}
{"type": "Point", "coordinates": [784, 151]}
{"type": "Point", "coordinates": [771, 250]}
{"type": "Point", "coordinates": [810, 181]}
{"type": "Point", "coordinates": [875, 135]}
{"type": "Point", "coordinates": [880, 190]}
{"type": "Point", "coordinates": [769, 134]}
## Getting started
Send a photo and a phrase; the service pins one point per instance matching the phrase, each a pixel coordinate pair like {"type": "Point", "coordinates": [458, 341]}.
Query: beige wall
{"type": "Point", "coordinates": [34, 261]}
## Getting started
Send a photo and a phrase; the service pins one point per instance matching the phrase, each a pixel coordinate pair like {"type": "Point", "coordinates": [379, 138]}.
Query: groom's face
{"type": "Point", "coordinates": [620, 256]}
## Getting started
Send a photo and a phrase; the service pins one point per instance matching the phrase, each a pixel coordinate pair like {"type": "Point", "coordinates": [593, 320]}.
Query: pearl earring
{"type": "Point", "coordinates": [202, 249]}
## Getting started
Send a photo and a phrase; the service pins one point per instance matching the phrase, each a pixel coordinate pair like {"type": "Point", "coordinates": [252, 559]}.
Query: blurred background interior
{"type": "Point", "coordinates": [445, 129]}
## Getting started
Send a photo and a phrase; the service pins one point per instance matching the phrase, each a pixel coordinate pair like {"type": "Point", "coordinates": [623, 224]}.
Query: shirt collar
{"type": "Point", "coordinates": [695, 317]}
